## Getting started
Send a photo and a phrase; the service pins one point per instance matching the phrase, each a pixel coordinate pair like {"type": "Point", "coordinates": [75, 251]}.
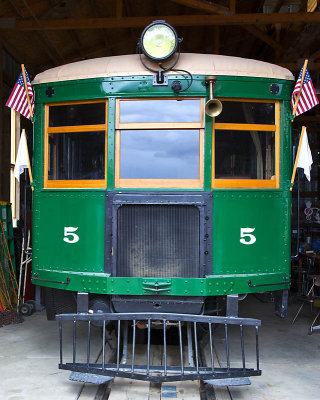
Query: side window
{"type": "Point", "coordinates": [246, 144]}
{"type": "Point", "coordinates": [159, 143]}
{"type": "Point", "coordinates": [75, 145]}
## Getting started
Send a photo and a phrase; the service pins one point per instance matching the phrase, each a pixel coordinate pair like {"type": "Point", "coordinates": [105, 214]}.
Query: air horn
{"type": "Point", "coordinates": [213, 106]}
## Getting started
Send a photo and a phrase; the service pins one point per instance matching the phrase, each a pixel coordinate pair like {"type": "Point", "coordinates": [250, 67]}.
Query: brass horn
{"type": "Point", "coordinates": [213, 106]}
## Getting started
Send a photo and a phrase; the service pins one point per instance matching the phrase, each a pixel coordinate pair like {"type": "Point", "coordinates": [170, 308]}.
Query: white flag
{"type": "Point", "coordinates": [22, 160]}
{"type": "Point", "coordinates": [305, 157]}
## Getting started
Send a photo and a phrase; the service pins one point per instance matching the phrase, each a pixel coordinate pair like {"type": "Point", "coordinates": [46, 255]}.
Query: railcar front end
{"type": "Point", "coordinates": [144, 204]}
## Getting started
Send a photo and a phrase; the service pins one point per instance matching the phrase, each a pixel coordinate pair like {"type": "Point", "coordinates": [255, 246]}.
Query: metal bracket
{"type": "Point", "coordinates": [232, 305]}
{"type": "Point", "coordinates": [160, 81]}
{"type": "Point", "coordinates": [156, 286]}
{"type": "Point", "coordinates": [82, 302]}
{"type": "Point", "coordinates": [281, 303]}
{"type": "Point", "coordinates": [35, 278]}
{"type": "Point", "coordinates": [285, 282]}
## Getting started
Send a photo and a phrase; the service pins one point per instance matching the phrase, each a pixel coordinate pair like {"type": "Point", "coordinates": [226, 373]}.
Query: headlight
{"type": "Point", "coordinates": [159, 41]}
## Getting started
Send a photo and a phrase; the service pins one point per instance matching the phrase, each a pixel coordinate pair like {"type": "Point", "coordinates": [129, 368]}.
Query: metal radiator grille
{"type": "Point", "coordinates": [158, 241]}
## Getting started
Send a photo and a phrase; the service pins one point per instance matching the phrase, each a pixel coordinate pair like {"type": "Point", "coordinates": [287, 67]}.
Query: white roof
{"type": "Point", "coordinates": [198, 64]}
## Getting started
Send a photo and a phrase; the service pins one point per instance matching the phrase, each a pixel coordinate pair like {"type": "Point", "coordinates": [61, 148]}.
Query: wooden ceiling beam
{"type": "Point", "coordinates": [232, 6]}
{"type": "Point", "coordinates": [277, 6]}
{"type": "Point", "coordinates": [175, 20]}
{"type": "Point", "coordinates": [264, 37]}
{"type": "Point", "coordinates": [98, 50]}
{"type": "Point", "coordinates": [119, 9]}
{"type": "Point", "coordinates": [104, 33]}
{"type": "Point", "coordinates": [10, 48]}
{"type": "Point", "coordinates": [315, 55]}
{"type": "Point", "coordinates": [297, 66]}
{"type": "Point", "coordinates": [38, 36]}
{"type": "Point", "coordinates": [44, 37]}
{"type": "Point", "coordinates": [200, 5]}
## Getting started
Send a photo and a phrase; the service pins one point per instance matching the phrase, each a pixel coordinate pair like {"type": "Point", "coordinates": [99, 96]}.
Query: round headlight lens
{"type": "Point", "coordinates": [159, 41]}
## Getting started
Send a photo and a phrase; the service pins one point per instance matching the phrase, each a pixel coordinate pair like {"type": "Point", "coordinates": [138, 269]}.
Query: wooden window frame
{"type": "Point", "coordinates": [222, 183]}
{"type": "Point", "coordinates": [74, 183]}
{"type": "Point", "coordinates": [160, 183]}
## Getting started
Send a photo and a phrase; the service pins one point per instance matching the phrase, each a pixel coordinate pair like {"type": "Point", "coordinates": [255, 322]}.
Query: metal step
{"type": "Point", "coordinates": [89, 378]}
{"type": "Point", "coordinates": [229, 382]}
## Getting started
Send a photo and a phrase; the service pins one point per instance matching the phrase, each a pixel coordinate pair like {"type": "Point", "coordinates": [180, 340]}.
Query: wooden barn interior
{"type": "Point", "coordinates": [43, 34]}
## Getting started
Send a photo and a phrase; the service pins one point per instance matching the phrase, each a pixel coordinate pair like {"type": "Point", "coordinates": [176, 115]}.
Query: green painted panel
{"type": "Point", "coordinates": [111, 142]}
{"type": "Point", "coordinates": [214, 285]}
{"type": "Point", "coordinates": [53, 212]}
{"type": "Point", "coordinates": [38, 144]}
{"type": "Point", "coordinates": [141, 86]}
{"type": "Point", "coordinates": [267, 211]}
{"type": "Point", "coordinates": [285, 145]}
{"type": "Point", "coordinates": [207, 153]}
{"type": "Point", "coordinates": [263, 215]}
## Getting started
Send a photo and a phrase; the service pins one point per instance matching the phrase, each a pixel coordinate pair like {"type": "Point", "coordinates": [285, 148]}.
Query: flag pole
{"type": "Point", "coordinates": [301, 84]}
{"type": "Point", "coordinates": [303, 129]}
{"type": "Point", "coordinates": [29, 165]}
{"type": "Point", "coordinates": [26, 88]}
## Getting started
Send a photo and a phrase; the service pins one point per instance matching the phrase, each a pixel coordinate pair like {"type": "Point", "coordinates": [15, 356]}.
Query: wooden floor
{"type": "Point", "coordinates": [128, 389]}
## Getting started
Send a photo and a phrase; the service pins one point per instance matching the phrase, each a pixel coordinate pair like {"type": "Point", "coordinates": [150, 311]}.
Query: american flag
{"type": "Point", "coordinates": [308, 97]}
{"type": "Point", "coordinates": [18, 97]}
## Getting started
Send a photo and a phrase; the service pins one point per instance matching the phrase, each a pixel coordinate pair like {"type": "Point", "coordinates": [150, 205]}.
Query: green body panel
{"type": "Point", "coordinates": [210, 286]}
{"type": "Point", "coordinates": [266, 210]}
{"type": "Point", "coordinates": [267, 213]}
{"type": "Point", "coordinates": [52, 213]}
{"type": "Point", "coordinates": [141, 86]}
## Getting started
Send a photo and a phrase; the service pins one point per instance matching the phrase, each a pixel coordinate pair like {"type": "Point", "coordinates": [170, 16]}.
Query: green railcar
{"type": "Point", "coordinates": [143, 203]}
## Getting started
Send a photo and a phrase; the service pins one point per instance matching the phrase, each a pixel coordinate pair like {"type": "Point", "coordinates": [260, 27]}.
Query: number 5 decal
{"type": "Point", "coordinates": [69, 231]}
{"type": "Point", "coordinates": [245, 233]}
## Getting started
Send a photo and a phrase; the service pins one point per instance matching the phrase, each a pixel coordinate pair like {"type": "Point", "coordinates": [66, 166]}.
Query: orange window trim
{"type": "Point", "coordinates": [245, 127]}
{"type": "Point", "coordinates": [249, 183]}
{"type": "Point", "coordinates": [160, 125]}
{"type": "Point", "coordinates": [73, 184]}
{"type": "Point", "coordinates": [160, 183]}
{"type": "Point", "coordinates": [244, 183]}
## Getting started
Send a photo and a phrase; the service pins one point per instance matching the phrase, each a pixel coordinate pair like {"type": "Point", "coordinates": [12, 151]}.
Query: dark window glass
{"type": "Point", "coordinates": [244, 154]}
{"type": "Point", "coordinates": [76, 155]}
{"type": "Point", "coordinates": [160, 111]}
{"type": "Point", "coordinates": [159, 154]}
{"type": "Point", "coordinates": [77, 114]}
{"type": "Point", "coordinates": [247, 113]}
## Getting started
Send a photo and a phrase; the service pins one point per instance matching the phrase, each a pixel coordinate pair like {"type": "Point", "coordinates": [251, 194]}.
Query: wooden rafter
{"type": "Point", "coordinates": [277, 6]}
{"type": "Point", "coordinates": [264, 37]}
{"type": "Point", "coordinates": [45, 36]}
{"type": "Point", "coordinates": [176, 20]}
{"type": "Point", "coordinates": [232, 6]}
{"type": "Point", "coordinates": [315, 55]}
{"type": "Point", "coordinates": [204, 6]}
{"type": "Point", "coordinates": [119, 8]}
{"type": "Point", "coordinates": [44, 44]}
{"type": "Point", "coordinates": [104, 34]}
{"type": "Point", "coordinates": [296, 66]}
{"type": "Point", "coordinates": [200, 5]}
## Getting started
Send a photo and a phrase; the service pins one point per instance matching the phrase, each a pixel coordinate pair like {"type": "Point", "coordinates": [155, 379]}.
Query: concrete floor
{"type": "Point", "coordinates": [289, 359]}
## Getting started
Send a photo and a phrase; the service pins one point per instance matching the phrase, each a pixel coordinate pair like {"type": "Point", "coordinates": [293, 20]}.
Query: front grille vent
{"type": "Point", "coordinates": [158, 241]}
